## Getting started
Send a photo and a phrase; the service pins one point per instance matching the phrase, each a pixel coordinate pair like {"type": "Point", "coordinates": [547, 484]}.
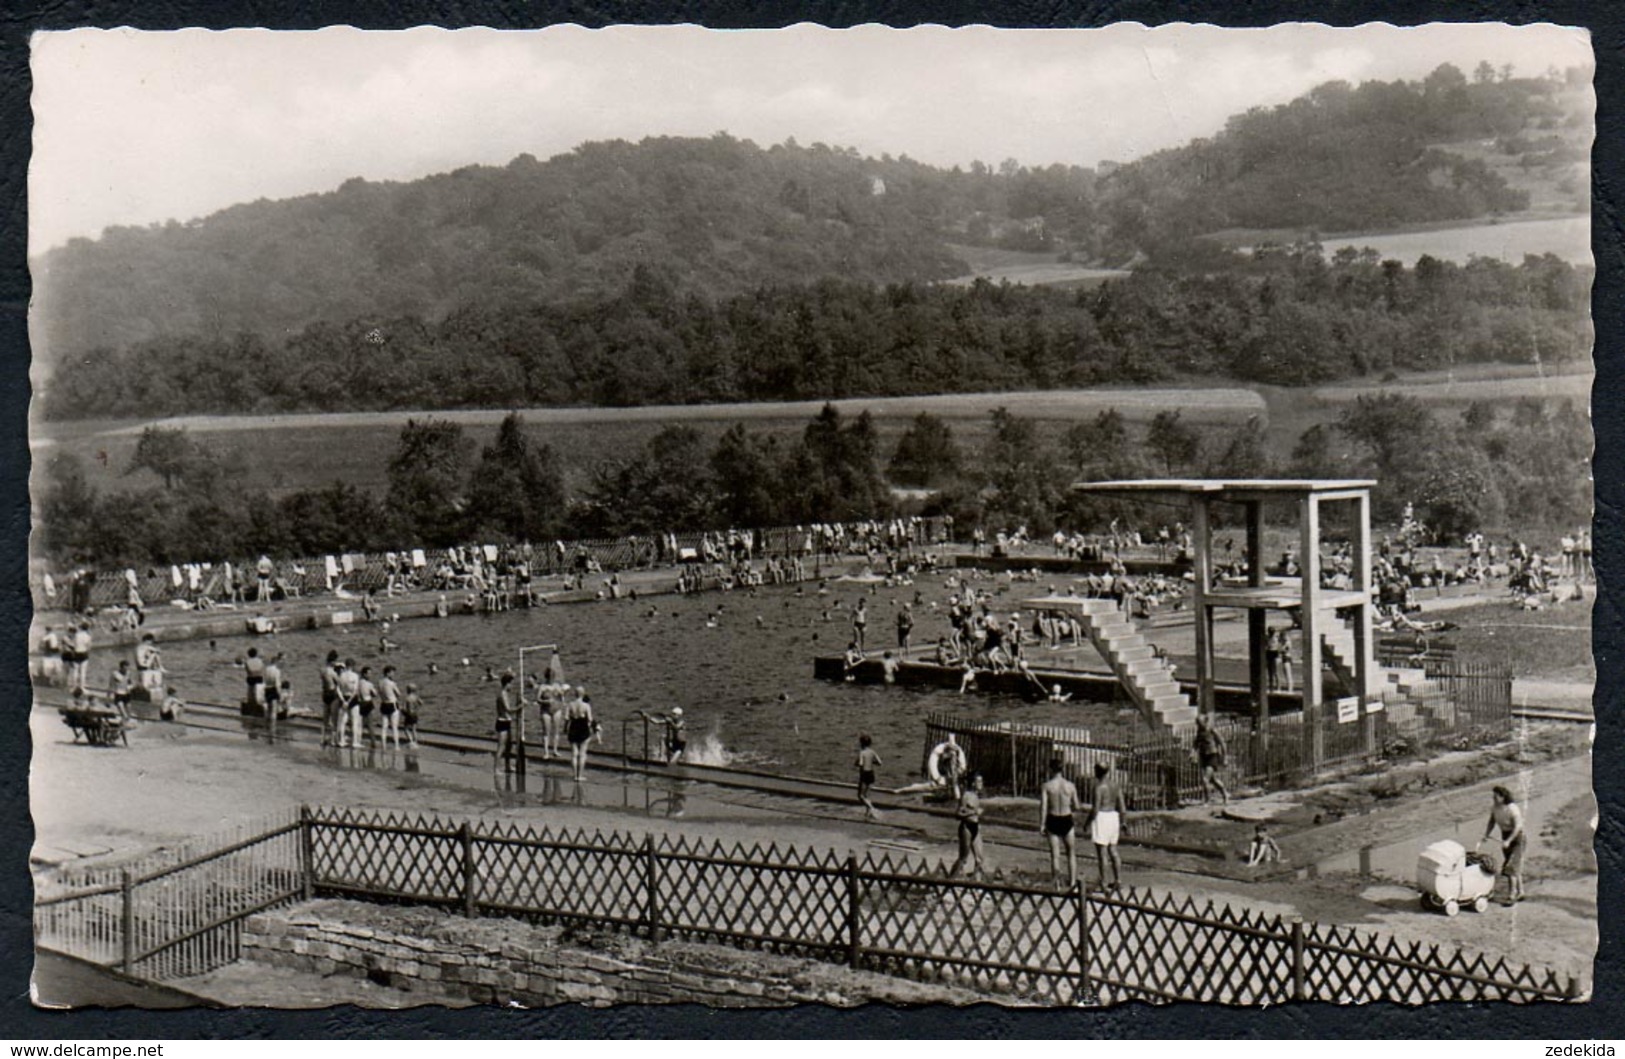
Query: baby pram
{"type": "Point", "coordinates": [1450, 877]}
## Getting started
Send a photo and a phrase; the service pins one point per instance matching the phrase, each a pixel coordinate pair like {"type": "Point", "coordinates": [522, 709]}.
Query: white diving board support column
{"type": "Point", "coordinates": [1365, 664]}
{"type": "Point", "coordinates": [1309, 569]}
{"type": "Point", "coordinates": [1202, 572]}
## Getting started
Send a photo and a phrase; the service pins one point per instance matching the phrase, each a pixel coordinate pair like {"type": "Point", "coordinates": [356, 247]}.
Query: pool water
{"type": "Point", "coordinates": [738, 663]}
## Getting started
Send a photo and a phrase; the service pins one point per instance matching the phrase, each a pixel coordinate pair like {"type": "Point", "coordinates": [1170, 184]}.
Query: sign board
{"type": "Point", "coordinates": [1348, 710]}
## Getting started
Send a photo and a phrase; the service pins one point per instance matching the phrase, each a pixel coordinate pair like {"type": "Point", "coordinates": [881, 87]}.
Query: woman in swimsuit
{"type": "Point", "coordinates": [578, 729]}
{"type": "Point", "coordinates": [550, 703]}
{"type": "Point", "coordinates": [970, 828]}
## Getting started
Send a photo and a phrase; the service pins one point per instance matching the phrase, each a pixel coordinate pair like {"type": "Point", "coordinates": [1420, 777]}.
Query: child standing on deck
{"type": "Point", "coordinates": [412, 708]}
{"type": "Point", "coordinates": [868, 762]}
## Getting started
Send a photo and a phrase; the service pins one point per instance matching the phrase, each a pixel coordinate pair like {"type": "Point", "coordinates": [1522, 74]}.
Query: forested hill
{"type": "Point", "coordinates": [719, 217]}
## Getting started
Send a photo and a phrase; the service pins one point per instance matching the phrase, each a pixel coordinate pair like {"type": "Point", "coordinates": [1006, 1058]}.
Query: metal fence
{"type": "Point", "coordinates": [178, 913]}
{"type": "Point", "coordinates": [1469, 705]}
{"type": "Point", "coordinates": [899, 916]}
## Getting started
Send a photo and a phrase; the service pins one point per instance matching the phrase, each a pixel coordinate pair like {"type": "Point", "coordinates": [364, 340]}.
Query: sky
{"type": "Point", "coordinates": [136, 128]}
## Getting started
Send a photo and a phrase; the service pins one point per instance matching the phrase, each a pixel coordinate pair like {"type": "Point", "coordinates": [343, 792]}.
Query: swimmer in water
{"type": "Point", "coordinates": [1057, 695]}
{"type": "Point", "coordinates": [434, 667]}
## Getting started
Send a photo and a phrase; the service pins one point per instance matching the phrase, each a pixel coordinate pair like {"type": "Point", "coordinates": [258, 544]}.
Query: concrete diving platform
{"type": "Point", "coordinates": [1081, 685]}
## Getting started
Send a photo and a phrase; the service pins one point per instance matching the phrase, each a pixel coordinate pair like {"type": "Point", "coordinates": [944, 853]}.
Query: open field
{"type": "Point", "coordinates": [1507, 239]}
{"type": "Point", "coordinates": [1551, 644]}
{"type": "Point", "coordinates": [1446, 388]}
{"type": "Point", "coordinates": [1567, 237]}
{"type": "Point", "coordinates": [1021, 266]}
{"type": "Point", "coordinates": [289, 452]}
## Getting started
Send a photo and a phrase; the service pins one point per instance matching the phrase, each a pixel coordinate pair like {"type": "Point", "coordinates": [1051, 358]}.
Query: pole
{"type": "Point", "coordinates": [651, 884]}
{"type": "Point", "coordinates": [465, 837]}
{"type": "Point", "coordinates": [307, 852]}
{"type": "Point", "coordinates": [523, 707]}
{"type": "Point", "coordinates": [1300, 989]}
{"type": "Point", "coordinates": [1083, 952]}
{"type": "Point", "coordinates": [127, 942]}
{"type": "Point", "coordinates": [854, 949]}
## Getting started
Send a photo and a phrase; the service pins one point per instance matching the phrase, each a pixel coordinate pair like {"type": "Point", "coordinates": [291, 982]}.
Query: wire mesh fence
{"type": "Point", "coordinates": [1462, 705]}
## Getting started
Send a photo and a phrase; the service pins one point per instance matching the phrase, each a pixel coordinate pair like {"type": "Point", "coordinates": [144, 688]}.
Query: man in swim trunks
{"type": "Point", "coordinates": [119, 688]}
{"type": "Point", "coordinates": [504, 725]}
{"type": "Point", "coordinates": [349, 716]}
{"type": "Point", "coordinates": [676, 736]}
{"type": "Point", "coordinates": [273, 687]}
{"type": "Point", "coordinates": [1210, 756]}
{"type": "Point", "coordinates": [905, 628]}
{"type": "Point", "coordinates": [366, 698]}
{"type": "Point", "coordinates": [1058, 803]}
{"type": "Point", "coordinates": [389, 708]}
{"type": "Point", "coordinates": [1105, 825]}
{"type": "Point", "coordinates": [411, 709]}
{"type": "Point", "coordinates": [868, 762]}
{"type": "Point", "coordinates": [330, 699]}
{"type": "Point", "coordinates": [254, 671]}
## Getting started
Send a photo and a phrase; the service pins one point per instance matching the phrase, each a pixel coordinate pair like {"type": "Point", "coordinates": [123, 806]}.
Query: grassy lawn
{"type": "Point", "coordinates": [1550, 644]}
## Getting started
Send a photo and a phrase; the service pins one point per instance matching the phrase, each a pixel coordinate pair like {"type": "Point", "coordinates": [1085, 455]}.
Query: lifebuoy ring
{"type": "Point", "coordinates": [933, 764]}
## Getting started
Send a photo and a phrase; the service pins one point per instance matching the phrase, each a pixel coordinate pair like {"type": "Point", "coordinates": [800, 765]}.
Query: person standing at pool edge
{"type": "Point", "coordinates": [868, 762]}
{"type": "Point", "coordinates": [1058, 805]}
{"type": "Point", "coordinates": [1106, 826]}
{"type": "Point", "coordinates": [349, 709]}
{"type": "Point", "coordinates": [504, 725]}
{"type": "Point", "coordinates": [330, 699]}
{"type": "Point", "coordinates": [578, 730]}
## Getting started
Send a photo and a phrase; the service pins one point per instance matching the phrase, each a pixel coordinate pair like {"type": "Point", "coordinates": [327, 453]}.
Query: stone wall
{"type": "Point", "coordinates": [443, 958]}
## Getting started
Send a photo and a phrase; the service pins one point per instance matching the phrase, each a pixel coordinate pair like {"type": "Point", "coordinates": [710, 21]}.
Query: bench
{"type": "Point", "coordinates": [99, 727]}
{"type": "Point", "coordinates": [1401, 650]}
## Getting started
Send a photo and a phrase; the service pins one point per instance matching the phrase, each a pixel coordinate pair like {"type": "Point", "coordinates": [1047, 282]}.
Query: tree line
{"type": "Point", "coordinates": [717, 217]}
{"type": "Point", "coordinates": [1285, 315]}
{"type": "Point", "coordinates": [1487, 467]}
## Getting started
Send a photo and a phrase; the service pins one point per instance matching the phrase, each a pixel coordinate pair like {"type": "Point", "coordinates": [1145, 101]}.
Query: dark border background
{"type": "Point", "coordinates": [1604, 1016]}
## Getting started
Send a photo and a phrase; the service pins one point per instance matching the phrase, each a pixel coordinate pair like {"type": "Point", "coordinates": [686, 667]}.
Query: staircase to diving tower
{"type": "Point", "coordinates": [1147, 678]}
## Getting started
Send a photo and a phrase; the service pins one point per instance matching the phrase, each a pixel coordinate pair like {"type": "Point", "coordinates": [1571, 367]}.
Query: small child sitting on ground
{"type": "Point", "coordinates": [1263, 848]}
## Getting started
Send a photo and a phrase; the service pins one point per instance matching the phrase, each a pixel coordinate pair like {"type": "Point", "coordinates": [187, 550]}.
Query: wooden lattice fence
{"type": "Point", "coordinates": [897, 915]}
{"type": "Point", "coordinates": [891, 914]}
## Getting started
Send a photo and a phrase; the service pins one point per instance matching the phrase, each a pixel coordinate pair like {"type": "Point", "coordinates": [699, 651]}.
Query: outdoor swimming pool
{"type": "Point", "coordinates": [746, 684]}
